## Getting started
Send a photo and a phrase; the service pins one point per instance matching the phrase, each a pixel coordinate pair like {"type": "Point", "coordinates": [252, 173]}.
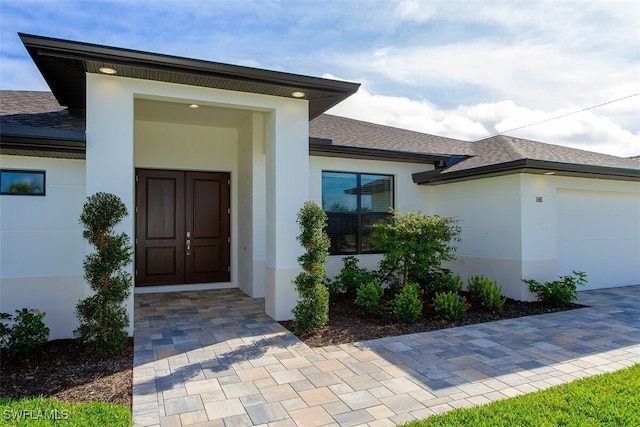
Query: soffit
{"type": "Point", "coordinates": [63, 65]}
{"type": "Point", "coordinates": [180, 113]}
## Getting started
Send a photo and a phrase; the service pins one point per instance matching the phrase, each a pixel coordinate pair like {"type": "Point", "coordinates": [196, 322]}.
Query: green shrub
{"type": "Point", "coordinates": [23, 333]}
{"type": "Point", "coordinates": [492, 298]}
{"type": "Point", "coordinates": [27, 334]}
{"type": "Point", "coordinates": [369, 296]}
{"type": "Point", "coordinates": [312, 310]}
{"type": "Point", "coordinates": [103, 317]}
{"type": "Point", "coordinates": [443, 283]}
{"type": "Point", "coordinates": [406, 306]}
{"type": "Point", "coordinates": [5, 329]}
{"type": "Point", "coordinates": [487, 291]}
{"type": "Point", "coordinates": [558, 293]}
{"type": "Point", "coordinates": [387, 275]}
{"type": "Point", "coordinates": [450, 305]}
{"type": "Point", "coordinates": [475, 284]}
{"type": "Point", "coordinates": [350, 278]}
{"type": "Point", "coordinates": [414, 243]}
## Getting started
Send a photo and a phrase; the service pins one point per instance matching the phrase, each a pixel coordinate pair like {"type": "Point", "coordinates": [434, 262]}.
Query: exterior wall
{"type": "Point", "coordinates": [489, 214]}
{"type": "Point", "coordinates": [408, 196]}
{"type": "Point", "coordinates": [286, 190]}
{"type": "Point", "coordinates": [528, 226]}
{"type": "Point", "coordinates": [41, 244]}
{"type": "Point", "coordinates": [110, 165]}
{"type": "Point", "coordinates": [251, 251]}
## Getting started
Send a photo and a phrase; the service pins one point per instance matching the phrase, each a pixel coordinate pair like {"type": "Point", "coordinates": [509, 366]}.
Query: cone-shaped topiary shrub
{"type": "Point", "coordinates": [312, 310]}
{"type": "Point", "coordinates": [103, 318]}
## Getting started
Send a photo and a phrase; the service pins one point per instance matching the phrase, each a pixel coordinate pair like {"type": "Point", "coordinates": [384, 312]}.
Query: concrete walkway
{"type": "Point", "coordinates": [213, 358]}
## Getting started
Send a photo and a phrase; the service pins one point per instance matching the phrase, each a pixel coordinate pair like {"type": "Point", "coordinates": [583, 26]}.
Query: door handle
{"type": "Point", "coordinates": [188, 243]}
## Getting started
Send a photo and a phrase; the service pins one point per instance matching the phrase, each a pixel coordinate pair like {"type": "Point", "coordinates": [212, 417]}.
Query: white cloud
{"type": "Point", "coordinates": [413, 10]}
{"type": "Point", "coordinates": [540, 76]}
{"type": "Point", "coordinates": [407, 113]}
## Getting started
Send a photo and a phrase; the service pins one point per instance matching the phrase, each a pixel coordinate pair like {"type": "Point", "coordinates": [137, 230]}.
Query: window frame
{"type": "Point", "coordinates": [359, 214]}
{"type": "Point", "coordinates": [25, 174]}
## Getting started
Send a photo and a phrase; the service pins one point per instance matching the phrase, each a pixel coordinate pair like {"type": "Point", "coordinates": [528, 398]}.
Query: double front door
{"type": "Point", "coordinates": [182, 227]}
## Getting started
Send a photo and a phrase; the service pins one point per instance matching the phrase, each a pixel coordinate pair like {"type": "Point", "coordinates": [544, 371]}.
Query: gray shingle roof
{"type": "Point", "coordinates": [41, 110]}
{"type": "Point", "coordinates": [36, 109]}
{"type": "Point", "coordinates": [503, 149]}
{"type": "Point", "coordinates": [355, 133]}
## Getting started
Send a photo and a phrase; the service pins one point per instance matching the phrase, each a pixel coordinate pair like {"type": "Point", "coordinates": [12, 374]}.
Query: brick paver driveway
{"type": "Point", "coordinates": [214, 358]}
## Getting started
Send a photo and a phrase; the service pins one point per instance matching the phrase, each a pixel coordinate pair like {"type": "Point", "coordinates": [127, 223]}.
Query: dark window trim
{"type": "Point", "coordinates": [43, 173]}
{"type": "Point", "coordinates": [359, 214]}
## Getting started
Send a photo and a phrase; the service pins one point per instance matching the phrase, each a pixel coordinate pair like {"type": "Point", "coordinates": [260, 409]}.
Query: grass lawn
{"type": "Point", "coordinates": [39, 412]}
{"type": "Point", "coordinates": [604, 400]}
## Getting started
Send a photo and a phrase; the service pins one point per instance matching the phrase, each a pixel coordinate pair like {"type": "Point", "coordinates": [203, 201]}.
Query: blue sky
{"type": "Point", "coordinates": [463, 69]}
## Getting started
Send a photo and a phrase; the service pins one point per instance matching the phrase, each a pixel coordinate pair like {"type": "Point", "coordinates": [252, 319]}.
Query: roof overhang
{"type": "Point", "coordinates": [42, 142]}
{"type": "Point", "coordinates": [64, 65]}
{"type": "Point", "coordinates": [325, 148]}
{"type": "Point", "coordinates": [541, 167]}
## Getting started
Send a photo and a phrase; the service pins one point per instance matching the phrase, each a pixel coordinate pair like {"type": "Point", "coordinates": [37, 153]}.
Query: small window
{"type": "Point", "coordinates": [22, 182]}
{"type": "Point", "coordinates": [353, 203]}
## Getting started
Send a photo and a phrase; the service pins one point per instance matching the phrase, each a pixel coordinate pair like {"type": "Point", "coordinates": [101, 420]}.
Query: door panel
{"type": "Point", "coordinates": [182, 227]}
{"type": "Point", "coordinates": [209, 227]}
{"type": "Point", "coordinates": [160, 224]}
{"type": "Point", "coordinates": [162, 202]}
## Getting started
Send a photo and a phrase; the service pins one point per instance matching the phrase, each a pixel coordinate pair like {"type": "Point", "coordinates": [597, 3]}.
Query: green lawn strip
{"type": "Point", "coordinates": [604, 400]}
{"type": "Point", "coordinates": [44, 412]}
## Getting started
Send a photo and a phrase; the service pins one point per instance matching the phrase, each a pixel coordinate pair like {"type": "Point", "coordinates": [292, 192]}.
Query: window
{"type": "Point", "coordinates": [22, 182]}
{"type": "Point", "coordinates": [353, 203]}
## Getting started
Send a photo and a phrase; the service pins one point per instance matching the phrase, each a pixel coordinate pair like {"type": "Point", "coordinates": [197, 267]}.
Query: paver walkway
{"type": "Point", "coordinates": [214, 358]}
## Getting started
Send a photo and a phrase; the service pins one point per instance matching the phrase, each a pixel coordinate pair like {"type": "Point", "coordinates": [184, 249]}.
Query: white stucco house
{"type": "Point", "coordinates": [213, 162]}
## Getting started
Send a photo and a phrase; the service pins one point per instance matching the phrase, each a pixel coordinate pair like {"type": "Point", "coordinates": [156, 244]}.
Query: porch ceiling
{"type": "Point", "coordinates": [64, 65]}
{"type": "Point", "coordinates": [175, 112]}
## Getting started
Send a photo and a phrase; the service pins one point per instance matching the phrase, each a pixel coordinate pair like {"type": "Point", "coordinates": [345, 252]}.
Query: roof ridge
{"type": "Point", "coordinates": [513, 148]}
{"type": "Point", "coordinates": [503, 143]}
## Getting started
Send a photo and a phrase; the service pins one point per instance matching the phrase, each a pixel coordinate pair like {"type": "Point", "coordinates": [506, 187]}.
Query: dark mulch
{"type": "Point", "coordinates": [348, 324]}
{"type": "Point", "coordinates": [65, 371]}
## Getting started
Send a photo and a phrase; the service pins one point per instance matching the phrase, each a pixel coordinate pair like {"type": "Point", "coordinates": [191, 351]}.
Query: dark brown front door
{"type": "Point", "coordinates": [182, 227]}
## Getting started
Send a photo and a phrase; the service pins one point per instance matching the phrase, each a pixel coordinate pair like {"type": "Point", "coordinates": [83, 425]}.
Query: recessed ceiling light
{"type": "Point", "coordinates": [107, 70]}
{"type": "Point", "coordinates": [549, 173]}
{"type": "Point", "coordinates": [194, 106]}
{"type": "Point", "coordinates": [298, 94]}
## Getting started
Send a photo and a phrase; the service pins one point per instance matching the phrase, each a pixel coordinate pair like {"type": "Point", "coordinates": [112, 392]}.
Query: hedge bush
{"type": "Point", "coordinates": [445, 282]}
{"type": "Point", "coordinates": [450, 305]}
{"type": "Point", "coordinates": [487, 291]}
{"type": "Point", "coordinates": [407, 306]}
{"type": "Point", "coordinates": [368, 298]}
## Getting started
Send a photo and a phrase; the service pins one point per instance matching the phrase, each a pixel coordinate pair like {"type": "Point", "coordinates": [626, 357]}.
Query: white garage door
{"type": "Point", "coordinates": [599, 233]}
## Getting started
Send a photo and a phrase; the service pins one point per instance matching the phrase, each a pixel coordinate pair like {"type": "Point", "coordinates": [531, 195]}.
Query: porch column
{"type": "Point", "coordinates": [287, 188]}
{"type": "Point", "coordinates": [109, 163]}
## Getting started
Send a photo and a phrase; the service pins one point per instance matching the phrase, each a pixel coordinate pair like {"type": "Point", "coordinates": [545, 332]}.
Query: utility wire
{"type": "Point", "coordinates": [561, 116]}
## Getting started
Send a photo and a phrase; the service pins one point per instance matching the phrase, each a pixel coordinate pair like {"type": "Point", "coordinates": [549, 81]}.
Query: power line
{"type": "Point", "coordinates": [561, 116]}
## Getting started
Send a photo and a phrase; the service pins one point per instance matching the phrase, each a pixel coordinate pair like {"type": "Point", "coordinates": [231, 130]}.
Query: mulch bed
{"type": "Point", "coordinates": [348, 324]}
{"type": "Point", "coordinates": [65, 371]}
